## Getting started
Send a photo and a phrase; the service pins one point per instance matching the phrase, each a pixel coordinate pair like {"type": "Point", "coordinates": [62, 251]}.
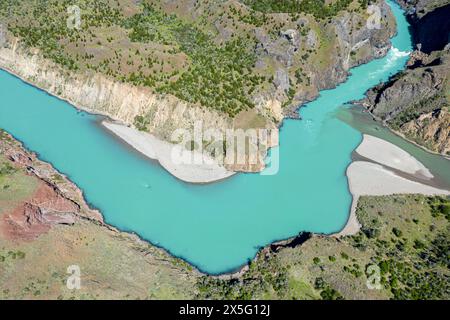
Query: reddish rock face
{"type": "Point", "coordinates": [19, 158]}
{"type": "Point", "coordinates": [47, 207]}
{"type": "Point", "coordinates": [51, 202]}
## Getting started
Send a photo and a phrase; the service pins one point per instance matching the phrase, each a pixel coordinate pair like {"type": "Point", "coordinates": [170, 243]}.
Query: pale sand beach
{"type": "Point", "coordinates": [206, 170]}
{"type": "Point", "coordinates": [390, 155]}
{"type": "Point", "coordinates": [368, 178]}
{"type": "Point", "coordinates": [377, 177]}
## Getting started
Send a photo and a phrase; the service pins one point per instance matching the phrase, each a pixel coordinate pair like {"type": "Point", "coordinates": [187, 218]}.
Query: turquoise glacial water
{"type": "Point", "coordinates": [216, 227]}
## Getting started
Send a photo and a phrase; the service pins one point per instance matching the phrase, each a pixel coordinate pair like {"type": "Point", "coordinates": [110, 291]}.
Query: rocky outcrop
{"type": "Point", "coordinates": [361, 42]}
{"type": "Point", "coordinates": [56, 200]}
{"type": "Point", "coordinates": [411, 92]}
{"type": "Point", "coordinates": [292, 242]}
{"type": "Point", "coordinates": [415, 102]}
{"type": "Point", "coordinates": [332, 49]}
{"type": "Point", "coordinates": [431, 130]}
{"type": "Point", "coordinates": [47, 207]}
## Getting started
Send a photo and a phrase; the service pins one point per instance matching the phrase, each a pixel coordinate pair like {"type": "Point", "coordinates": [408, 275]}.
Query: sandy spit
{"type": "Point", "coordinates": [377, 179]}
{"type": "Point", "coordinates": [387, 154]}
{"type": "Point", "coordinates": [205, 170]}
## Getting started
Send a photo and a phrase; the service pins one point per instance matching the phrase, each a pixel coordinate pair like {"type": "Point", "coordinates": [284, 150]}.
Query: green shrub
{"type": "Point", "coordinates": [398, 233]}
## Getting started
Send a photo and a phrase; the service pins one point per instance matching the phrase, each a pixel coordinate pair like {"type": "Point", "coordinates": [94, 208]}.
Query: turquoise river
{"type": "Point", "coordinates": [216, 227]}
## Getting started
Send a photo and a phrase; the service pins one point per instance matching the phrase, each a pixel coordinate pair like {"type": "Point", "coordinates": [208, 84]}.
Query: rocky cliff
{"type": "Point", "coordinates": [53, 200]}
{"type": "Point", "coordinates": [306, 56]}
{"type": "Point", "coordinates": [415, 102]}
{"type": "Point", "coordinates": [97, 93]}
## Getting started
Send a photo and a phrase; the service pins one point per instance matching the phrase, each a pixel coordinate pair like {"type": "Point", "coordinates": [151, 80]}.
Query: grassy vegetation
{"type": "Point", "coordinates": [407, 237]}
{"type": "Point", "coordinates": [219, 77]}
{"type": "Point", "coordinates": [215, 76]}
{"type": "Point", "coordinates": [413, 253]}
{"type": "Point", "coordinates": [317, 8]}
{"type": "Point", "coordinates": [15, 185]}
{"type": "Point", "coordinates": [204, 53]}
{"type": "Point", "coordinates": [43, 24]}
{"type": "Point", "coordinates": [6, 169]}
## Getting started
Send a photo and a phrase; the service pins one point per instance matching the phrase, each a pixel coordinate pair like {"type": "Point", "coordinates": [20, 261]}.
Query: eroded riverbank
{"type": "Point", "coordinates": [117, 265]}
{"type": "Point", "coordinates": [217, 227]}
